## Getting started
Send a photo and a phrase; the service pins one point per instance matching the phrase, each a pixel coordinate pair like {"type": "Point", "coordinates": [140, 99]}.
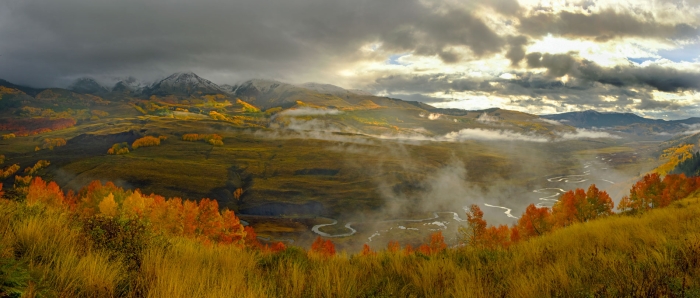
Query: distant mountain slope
{"type": "Point", "coordinates": [326, 88]}
{"type": "Point", "coordinates": [128, 86]}
{"type": "Point", "coordinates": [625, 122]}
{"type": "Point", "coordinates": [87, 86]}
{"type": "Point", "coordinates": [28, 90]}
{"type": "Point", "coordinates": [268, 94]}
{"type": "Point", "coordinates": [592, 118]}
{"type": "Point", "coordinates": [183, 84]}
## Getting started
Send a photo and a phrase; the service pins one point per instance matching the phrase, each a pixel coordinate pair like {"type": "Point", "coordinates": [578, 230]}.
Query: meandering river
{"type": "Point", "coordinates": [549, 196]}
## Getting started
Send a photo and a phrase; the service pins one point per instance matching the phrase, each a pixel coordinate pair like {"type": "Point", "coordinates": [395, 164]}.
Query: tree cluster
{"type": "Point", "coordinates": [38, 166]}
{"type": "Point", "coordinates": [49, 143]}
{"type": "Point", "coordinates": [146, 141]}
{"type": "Point", "coordinates": [119, 149]}
{"type": "Point", "coordinates": [173, 217]}
{"type": "Point", "coordinates": [8, 171]}
{"type": "Point", "coordinates": [213, 139]}
{"type": "Point", "coordinates": [34, 126]}
{"type": "Point", "coordinates": [689, 167]}
{"type": "Point", "coordinates": [653, 192]}
{"type": "Point", "coordinates": [573, 206]}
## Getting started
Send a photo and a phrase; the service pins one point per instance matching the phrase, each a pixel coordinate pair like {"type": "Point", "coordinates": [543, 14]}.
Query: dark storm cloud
{"type": "Point", "coordinates": [557, 65]}
{"type": "Point", "coordinates": [516, 50]}
{"type": "Point", "coordinates": [603, 26]}
{"type": "Point", "coordinates": [436, 32]}
{"type": "Point", "coordinates": [661, 78]}
{"type": "Point", "coordinates": [50, 42]}
{"type": "Point", "coordinates": [658, 77]}
{"type": "Point", "coordinates": [44, 40]}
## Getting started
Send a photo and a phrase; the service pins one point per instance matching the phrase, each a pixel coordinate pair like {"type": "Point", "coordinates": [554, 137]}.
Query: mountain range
{"type": "Point", "coordinates": [625, 122]}
{"type": "Point", "coordinates": [266, 94]}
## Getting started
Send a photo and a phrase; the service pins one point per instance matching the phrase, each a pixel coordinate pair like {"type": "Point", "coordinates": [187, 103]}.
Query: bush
{"type": "Point", "coordinates": [121, 238]}
{"type": "Point", "coordinates": [52, 143]}
{"type": "Point", "coordinates": [119, 149]}
{"type": "Point", "coordinates": [146, 141]}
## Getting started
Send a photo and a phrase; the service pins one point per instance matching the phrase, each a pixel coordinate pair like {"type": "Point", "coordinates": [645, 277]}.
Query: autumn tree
{"type": "Point", "coordinates": [599, 203]}
{"type": "Point", "coordinates": [108, 207]}
{"type": "Point", "coordinates": [581, 206]}
{"type": "Point", "coordinates": [232, 230]}
{"type": "Point", "coordinates": [437, 242]}
{"type": "Point", "coordinates": [323, 248]}
{"type": "Point", "coordinates": [190, 215]}
{"type": "Point", "coordinates": [49, 143]}
{"type": "Point", "coordinates": [473, 233]}
{"type": "Point", "coordinates": [367, 251]}
{"type": "Point", "coordinates": [676, 187]}
{"type": "Point", "coordinates": [210, 221]}
{"type": "Point", "coordinates": [276, 247]}
{"type": "Point", "coordinates": [646, 193]}
{"type": "Point", "coordinates": [49, 194]}
{"type": "Point", "coordinates": [496, 236]}
{"type": "Point", "coordinates": [134, 205]}
{"type": "Point", "coordinates": [8, 171]}
{"type": "Point", "coordinates": [535, 221]}
{"type": "Point", "coordinates": [38, 166]}
{"type": "Point", "coordinates": [118, 149]}
{"type": "Point", "coordinates": [393, 246]}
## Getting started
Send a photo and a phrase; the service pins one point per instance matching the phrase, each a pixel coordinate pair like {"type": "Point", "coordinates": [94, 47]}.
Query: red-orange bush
{"type": "Point", "coordinates": [323, 248]}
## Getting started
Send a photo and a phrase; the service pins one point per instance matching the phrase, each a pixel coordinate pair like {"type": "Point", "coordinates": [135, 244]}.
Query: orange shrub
{"type": "Point", "coordinates": [38, 166]}
{"type": "Point", "coordinates": [366, 251]}
{"type": "Point", "coordinates": [118, 149]}
{"type": "Point", "coordinates": [9, 171]}
{"type": "Point", "coordinates": [51, 143]}
{"type": "Point", "coordinates": [322, 248]}
{"type": "Point", "coordinates": [22, 181]}
{"type": "Point", "coordinates": [213, 139]}
{"type": "Point", "coordinates": [146, 141]}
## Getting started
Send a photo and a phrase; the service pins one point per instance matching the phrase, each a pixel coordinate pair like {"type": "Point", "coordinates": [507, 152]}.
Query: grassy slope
{"type": "Point", "coordinates": [648, 255]}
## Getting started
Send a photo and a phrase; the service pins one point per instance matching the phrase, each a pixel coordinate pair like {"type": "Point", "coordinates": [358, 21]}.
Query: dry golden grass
{"type": "Point", "coordinates": [651, 255]}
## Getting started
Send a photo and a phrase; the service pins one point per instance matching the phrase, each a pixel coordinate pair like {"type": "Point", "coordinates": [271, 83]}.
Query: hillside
{"type": "Point", "coordinates": [624, 122]}
{"type": "Point", "coordinates": [655, 253]}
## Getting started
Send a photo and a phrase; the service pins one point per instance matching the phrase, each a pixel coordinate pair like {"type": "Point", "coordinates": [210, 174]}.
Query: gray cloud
{"type": "Point", "coordinates": [45, 41]}
{"type": "Point", "coordinates": [605, 25]}
{"type": "Point", "coordinates": [436, 32]}
{"type": "Point", "coordinates": [516, 50]}
{"type": "Point", "coordinates": [51, 43]}
{"type": "Point", "coordinates": [589, 85]}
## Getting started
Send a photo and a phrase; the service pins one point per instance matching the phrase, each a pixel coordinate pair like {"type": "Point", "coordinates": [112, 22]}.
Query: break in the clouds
{"type": "Point", "coordinates": [532, 56]}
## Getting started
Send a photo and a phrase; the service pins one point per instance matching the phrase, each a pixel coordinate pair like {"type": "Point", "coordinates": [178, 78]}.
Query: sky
{"type": "Point", "coordinates": [539, 57]}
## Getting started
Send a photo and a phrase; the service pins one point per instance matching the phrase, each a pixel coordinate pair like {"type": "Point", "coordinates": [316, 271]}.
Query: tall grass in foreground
{"type": "Point", "coordinates": [44, 253]}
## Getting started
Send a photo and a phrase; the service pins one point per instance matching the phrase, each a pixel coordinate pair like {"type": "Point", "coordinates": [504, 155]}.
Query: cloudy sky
{"type": "Point", "coordinates": [534, 56]}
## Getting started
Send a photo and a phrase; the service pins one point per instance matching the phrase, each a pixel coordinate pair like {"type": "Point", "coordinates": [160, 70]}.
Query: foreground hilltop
{"type": "Point", "coordinates": [654, 253]}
